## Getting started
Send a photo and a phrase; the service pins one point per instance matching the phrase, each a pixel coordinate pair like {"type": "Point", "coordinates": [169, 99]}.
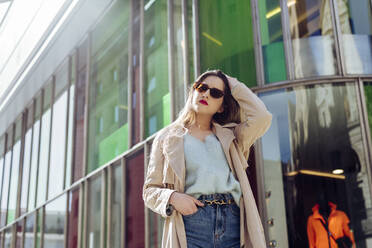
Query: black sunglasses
{"type": "Point", "coordinates": [215, 93]}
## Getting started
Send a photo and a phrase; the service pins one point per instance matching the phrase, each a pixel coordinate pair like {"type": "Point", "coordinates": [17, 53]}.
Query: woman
{"type": "Point", "coordinates": [196, 176]}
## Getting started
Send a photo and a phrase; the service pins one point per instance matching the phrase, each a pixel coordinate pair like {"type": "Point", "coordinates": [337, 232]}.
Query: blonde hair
{"type": "Point", "coordinates": [187, 115]}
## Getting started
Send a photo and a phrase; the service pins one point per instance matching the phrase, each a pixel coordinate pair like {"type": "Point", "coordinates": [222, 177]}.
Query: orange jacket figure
{"type": "Point", "coordinates": [337, 225]}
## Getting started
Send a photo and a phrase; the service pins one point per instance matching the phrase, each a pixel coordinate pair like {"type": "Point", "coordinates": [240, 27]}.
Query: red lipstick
{"type": "Point", "coordinates": [203, 102]}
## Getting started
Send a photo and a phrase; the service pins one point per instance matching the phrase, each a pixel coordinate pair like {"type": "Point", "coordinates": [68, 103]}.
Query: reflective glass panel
{"type": "Point", "coordinates": [315, 166]}
{"type": "Point", "coordinates": [116, 206]}
{"type": "Point", "coordinates": [355, 19]}
{"type": "Point", "coordinates": [108, 104]}
{"type": "Point", "coordinates": [54, 223]}
{"type": "Point", "coordinates": [94, 212]}
{"type": "Point", "coordinates": [134, 219]}
{"type": "Point", "coordinates": [5, 189]}
{"type": "Point", "coordinates": [368, 98]}
{"type": "Point", "coordinates": [157, 97]}
{"type": "Point", "coordinates": [44, 146]}
{"type": "Point", "coordinates": [13, 188]}
{"type": "Point", "coordinates": [272, 40]}
{"type": "Point", "coordinates": [312, 38]}
{"type": "Point", "coordinates": [8, 237]}
{"type": "Point", "coordinates": [223, 47]}
{"type": "Point", "coordinates": [29, 231]}
{"type": "Point", "coordinates": [34, 155]}
{"type": "Point", "coordinates": [73, 219]}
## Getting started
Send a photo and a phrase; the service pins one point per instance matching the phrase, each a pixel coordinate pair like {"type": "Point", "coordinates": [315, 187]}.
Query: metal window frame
{"type": "Point", "coordinates": [146, 210]}
{"type": "Point", "coordinates": [141, 69]}
{"type": "Point", "coordinates": [69, 71]}
{"type": "Point", "coordinates": [123, 201]}
{"type": "Point", "coordinates": [185, 50]}
{"type": "Point", "coordinates": [260, 71]}
{"type": "Point", "coordinates": [2, 176]}
{"type": "Point", "coordinates": [365, 131]}
{"type": "Point", "coordinates": [337, 35]}
{"type": "Point", "coordinates": [196, 38]}
{"type": "Point", "coordinates": [130, 75]}
{"type": "Point", "coordinates": [33, 105]}
{"type": "Point", "coordinates": [50, 134]}
{"type": "Point", "coordinates": [287, 40]}
{"type": "Point", "coordinates": [171, 57]}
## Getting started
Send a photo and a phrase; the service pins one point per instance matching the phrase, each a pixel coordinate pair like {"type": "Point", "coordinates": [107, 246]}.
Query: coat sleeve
{"type": "Point", "coordinates": [255, 118]}
{"type": "Point", "coordinates": [154, 194]}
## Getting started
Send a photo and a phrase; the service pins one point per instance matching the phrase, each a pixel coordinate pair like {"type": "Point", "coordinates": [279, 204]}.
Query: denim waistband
{"type": "Point", "coordinates": [216, 196]}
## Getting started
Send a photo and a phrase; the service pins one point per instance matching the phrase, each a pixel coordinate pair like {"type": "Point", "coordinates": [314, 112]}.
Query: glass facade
{"type": "Point", "coordinates": [314, 147]}
{"type": "Point", "coordinates": [72, 161]}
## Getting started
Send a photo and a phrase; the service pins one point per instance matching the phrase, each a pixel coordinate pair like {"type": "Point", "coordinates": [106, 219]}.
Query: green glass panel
{"type": "Point", "coordinates": [155, 65]}
{"type": "Point", "coordinates": [113, 145]}
{"type": "Point", "coordinates": [108, 103]}
{"type": "Point", "coordinates": [226, 38]}
{"type": "Point", "coordinates": [272, 41]}
{"type": "Point", "coordinates": [368, 95]}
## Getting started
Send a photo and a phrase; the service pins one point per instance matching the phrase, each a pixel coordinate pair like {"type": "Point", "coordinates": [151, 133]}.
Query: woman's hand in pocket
{"type": "Point", "coordinates": [184, 203]}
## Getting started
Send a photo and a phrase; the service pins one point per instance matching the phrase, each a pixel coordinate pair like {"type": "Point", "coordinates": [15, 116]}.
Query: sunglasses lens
{"type": "Point", "coordinates": [216, 93]}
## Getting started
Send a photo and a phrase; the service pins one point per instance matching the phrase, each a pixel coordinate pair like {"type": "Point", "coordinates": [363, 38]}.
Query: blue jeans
{"type": "Point", "coordinates": [214, 226]}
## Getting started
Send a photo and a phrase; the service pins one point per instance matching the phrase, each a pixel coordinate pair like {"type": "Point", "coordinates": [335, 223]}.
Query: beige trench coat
{"type": "Point", "coordinates": [166, 169]}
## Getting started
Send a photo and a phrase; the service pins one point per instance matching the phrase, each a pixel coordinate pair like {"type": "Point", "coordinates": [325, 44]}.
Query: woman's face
{"type": "Point", "coordinates": [212, 105]}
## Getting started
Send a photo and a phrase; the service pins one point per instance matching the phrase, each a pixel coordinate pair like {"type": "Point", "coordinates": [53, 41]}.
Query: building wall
{"type": "Point", "coordinates": [72, 163]}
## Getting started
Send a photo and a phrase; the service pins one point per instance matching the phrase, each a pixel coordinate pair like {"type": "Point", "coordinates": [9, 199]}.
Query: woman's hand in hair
{"type": "Point", "coordinates": [184, 203]}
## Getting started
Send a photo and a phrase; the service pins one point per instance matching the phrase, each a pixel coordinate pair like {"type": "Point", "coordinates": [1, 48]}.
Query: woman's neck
{"type": "Point", "coordinates": [203, 122]}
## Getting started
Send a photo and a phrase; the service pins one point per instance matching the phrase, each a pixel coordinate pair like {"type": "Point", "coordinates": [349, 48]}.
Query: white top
{"type": "Point", "coordinates": [207, 170]}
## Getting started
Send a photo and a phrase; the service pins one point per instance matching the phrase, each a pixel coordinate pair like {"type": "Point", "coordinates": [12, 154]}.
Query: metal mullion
{"type": "Point", "coordinates": [287, 40]}
{"type": "Point", "coordinates": [257, 43]}
{"type": "Point", "coordinates": [31, 149]}
{"type": "Point", "coordinates": [65, 233]}
{"type": "Point", "coordinates": [67, 120]}
{"type": "Point", "coordinates": [123, 201]}
{"type": "Point", "coordinates": [14, 235]}
{"type": "Point", "coordinates": [35, 226]}
{"type": "Point", "coordinates": [171, 58]}
{"type": "Point", "coordinates": [85, 207]}
{"type": "Point", "coordinates": [103, 206]}
{"type": "Point", "coordinates": [337, 38]}
{"type": "Point", "coordinates": [109, 205]}
{"type": "Point", "coordinates": [147, 214]}
{"type": "Point", "coordinates": [23, 233]}
{"type": "Point", "coordinates": [81, 216]}
{"type": "Point", "coordinates": [86, 105]}
{"type": "Point", "coordinates": [50, 134]}
{"type": "Point", "coordinates": [42, 226]}
{"type": "Point", "coordinates": [21, 162]}
{"type": "Point", "coordinates": [261, 187]}
{"type": "Point", "coordinates": [74, 117]}
{"type": "Point", "coordinates": [185, 32]}
{"type": "Point", "coordinates": [130, 75]}
{"type": "Point", "coordinates": [141, 69]}
{"type": "Point", "coordinates": [38, 150]}
{"type": "Point", "coordinates": [365, 132]}
{"type": "Point", "coordinates": [2, 176]}
{"type": "Point", "coordinates": [195, 15]}
{"type": "Point", "coordinates": [10, 183]}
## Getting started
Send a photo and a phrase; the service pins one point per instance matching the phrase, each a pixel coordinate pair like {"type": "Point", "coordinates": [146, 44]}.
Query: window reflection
{"type": "Point", "coordinates": [108, 122]}
{"type": "Point", "coordinates": [44, 145]}
{"type": "Point", "coordinates": [368, 99]}
{"type": "Point", "coordinates": [355, 19]}
{"type": "Point", "coordinates": [312, 38]}
{"type": "Point", "coordinates": [223, 47]}
{"type": "Point", "coordinates": [134, 219]}
{"type": "Point", "coordinates": [54, 224]}
{"type": "Point", "coordinates": [7, 237]}
{"type": "Point", "coordinates": [29, 231]}
{"type": "Point", "coordinates": [94, 212]}
{"type": "Point", "coordinates": [272, 40]}
{"type": "Point", "coordinates": [73, 218]}
{"type": "Point", "coordinates": [116, 206]}
{"type": "Point", "coordinates": [6, 179]}
{"type": "Point", "coordinates": [13, 188]}
{"type": "Point", "coordinates": [314, 147]}
{"type": "Point", "coordinates": [157, 96]}
{"type": "Point", "coordinates": [19, 234]}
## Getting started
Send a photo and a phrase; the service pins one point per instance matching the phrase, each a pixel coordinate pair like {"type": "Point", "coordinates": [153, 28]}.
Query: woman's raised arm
{"type": "Point", "coordinates": [255, 118]}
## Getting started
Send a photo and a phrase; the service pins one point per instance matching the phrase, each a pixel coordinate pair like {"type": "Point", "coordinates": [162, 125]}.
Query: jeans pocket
{"type": "Point", "coordinates": [193, 214]}
{"type": "Point", "coordinates": [235, 210]}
